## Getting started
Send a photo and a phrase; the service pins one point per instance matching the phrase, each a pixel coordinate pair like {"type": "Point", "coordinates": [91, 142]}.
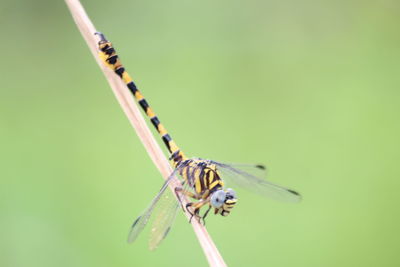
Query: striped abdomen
{"type": "Point", "coordinates": [110, 57]}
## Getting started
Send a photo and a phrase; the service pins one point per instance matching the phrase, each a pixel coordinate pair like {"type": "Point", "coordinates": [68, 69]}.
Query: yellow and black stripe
{"type": "Point", "coordinates": [202, 177]}
{"type": "Point", "coordinates": [109, 56]}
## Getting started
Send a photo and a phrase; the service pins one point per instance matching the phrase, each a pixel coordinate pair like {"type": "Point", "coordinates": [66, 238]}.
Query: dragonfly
{"type": "Point", "coordinates": [202, 180]}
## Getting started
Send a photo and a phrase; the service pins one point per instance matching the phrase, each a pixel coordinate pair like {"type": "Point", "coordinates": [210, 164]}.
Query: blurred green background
{"type": "Point", "coordinates": [311, 88]}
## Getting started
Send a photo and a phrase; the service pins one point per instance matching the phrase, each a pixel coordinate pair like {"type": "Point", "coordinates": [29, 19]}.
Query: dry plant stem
{"type": "Point", "coordinates": [136, 119]}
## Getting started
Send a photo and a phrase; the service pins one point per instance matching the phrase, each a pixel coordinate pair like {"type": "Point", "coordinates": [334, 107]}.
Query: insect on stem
{"type": "Point", "coordinates": [136, 119]}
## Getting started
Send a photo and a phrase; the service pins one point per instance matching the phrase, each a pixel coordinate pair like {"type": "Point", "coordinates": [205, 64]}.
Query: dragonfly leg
{"type": "Point", "coordinates": [180, 190]}
{"type": "Point", "coordinates": [177, 191]}
{"type": "Point", "coordinates": [196, 206]}
{"type": "Point", "coordinates": [196, 209]}
{"type": "Point", "coordinates": [192, 214]}
{"type": "Point", "coordinates": [187, 193]}
{"type": "Point", "coordinates": [205, 194]}
{"type": "Point", "coordinates": [205, 215]}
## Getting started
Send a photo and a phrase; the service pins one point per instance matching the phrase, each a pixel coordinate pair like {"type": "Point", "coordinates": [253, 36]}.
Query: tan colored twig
{"type": "Point", "coordinates": [136, 119]}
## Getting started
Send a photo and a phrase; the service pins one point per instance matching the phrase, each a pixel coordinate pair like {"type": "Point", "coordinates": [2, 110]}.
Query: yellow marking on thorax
{"type": "Point", "coordinates": [196, 173]}
{"type": "Point", "coordinates": [215, 183]}
{"type": "Point", "coordinates": [196, 176]}
{"type": "Point", "coordinates": [210, 177]}
{"type": "Point", "coordinates": [182, 172]}
{"type": "Point", "coordinates": [197, 186]}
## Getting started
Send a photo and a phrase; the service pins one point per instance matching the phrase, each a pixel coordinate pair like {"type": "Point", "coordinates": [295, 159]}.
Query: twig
{"type": "Point", "coordinates": [136, 119]}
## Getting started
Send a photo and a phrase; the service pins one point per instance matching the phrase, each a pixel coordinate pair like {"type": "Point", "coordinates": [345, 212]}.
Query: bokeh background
{"type": "Point", "coordinates": [311, 88]}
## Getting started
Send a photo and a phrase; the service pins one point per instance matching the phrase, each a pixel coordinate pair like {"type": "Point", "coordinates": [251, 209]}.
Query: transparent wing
{"type": "Point", "coordinates": [164, 216]}
{"type": "Point", "coordinates": [143, 219]}
{"type": "Point", "coordinates": [257, 170]}
{"type": "Point", "coordinates": [247, 177]}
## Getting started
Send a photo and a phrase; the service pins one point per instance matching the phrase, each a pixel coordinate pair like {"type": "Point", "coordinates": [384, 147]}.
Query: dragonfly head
{"type": "Point", "coordinates": [223, 201]}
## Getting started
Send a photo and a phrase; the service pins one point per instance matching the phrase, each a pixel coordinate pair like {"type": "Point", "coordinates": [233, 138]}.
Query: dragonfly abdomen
{"type": "Point", "coordinates": [112, 60]}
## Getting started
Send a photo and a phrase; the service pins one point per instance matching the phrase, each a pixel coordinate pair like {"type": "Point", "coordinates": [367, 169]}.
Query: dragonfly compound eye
{"type": "Point", "coordinates": [230, 194]}
{"type": "Point", "coordinates": [218, 199]}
